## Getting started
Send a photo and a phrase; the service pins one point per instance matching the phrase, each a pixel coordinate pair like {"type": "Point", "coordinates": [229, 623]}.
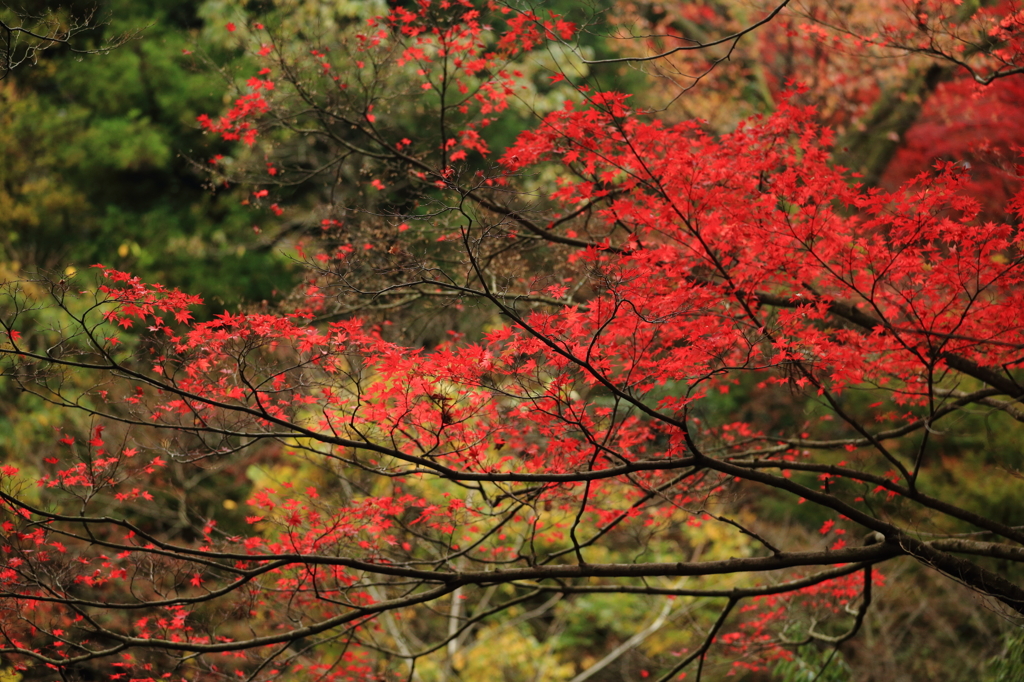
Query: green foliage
{"type": "Point", "coordinates": [1009, 666]}
{"type": "Point", "coordinates": [99, 163]}
{"type": "Point", "coordinates": [812, 665]}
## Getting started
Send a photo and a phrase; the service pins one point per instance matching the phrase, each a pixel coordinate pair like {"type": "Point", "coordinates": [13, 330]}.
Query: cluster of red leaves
{"type": "Point", "coordinates": [134, 299]}
{"type": "Point", "coordinates": [915, 257]}
{"type": "Point", "coordinates": [235, 124]}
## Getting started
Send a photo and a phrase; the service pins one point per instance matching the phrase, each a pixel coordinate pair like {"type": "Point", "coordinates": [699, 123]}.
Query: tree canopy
{"type": "Point", "coordinates": [569, 374]}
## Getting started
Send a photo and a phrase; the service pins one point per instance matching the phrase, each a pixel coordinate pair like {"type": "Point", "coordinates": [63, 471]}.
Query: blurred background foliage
{"type": "Point", "coordinates": [99, 157]}
{"type": "Point", "coordinates": [101, 160]}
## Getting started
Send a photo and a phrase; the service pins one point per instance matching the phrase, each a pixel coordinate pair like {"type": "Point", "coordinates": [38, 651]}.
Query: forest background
{"type": "Point", "coordinates": [102, 160]}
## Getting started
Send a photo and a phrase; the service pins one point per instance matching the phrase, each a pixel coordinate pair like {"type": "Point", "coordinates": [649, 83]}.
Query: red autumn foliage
{"type": "Point", "coordinates": [593, 416]}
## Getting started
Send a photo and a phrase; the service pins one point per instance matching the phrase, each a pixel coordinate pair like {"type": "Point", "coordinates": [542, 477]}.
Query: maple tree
{"type": "Point", "coordinates": [661, 322]}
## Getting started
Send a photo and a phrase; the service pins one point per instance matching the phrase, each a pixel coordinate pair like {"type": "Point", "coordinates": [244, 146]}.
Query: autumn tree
{"type": "Point", "coordinates": [547, 372]}
{"type": "Point", "coordinates": [902, 84]}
